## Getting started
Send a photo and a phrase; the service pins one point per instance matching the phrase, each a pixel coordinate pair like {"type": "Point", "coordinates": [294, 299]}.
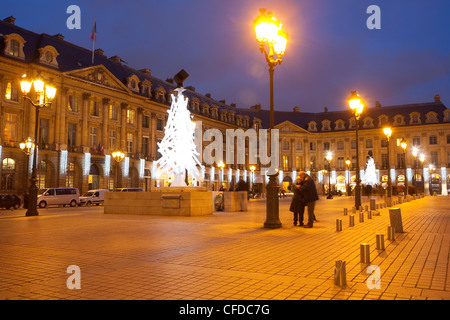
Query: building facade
{"type": "Point", "coordinates": [107, 105]}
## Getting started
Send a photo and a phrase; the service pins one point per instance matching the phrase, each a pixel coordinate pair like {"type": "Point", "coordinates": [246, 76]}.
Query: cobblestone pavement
{"type": "Point", "coordinates": [224, 256]}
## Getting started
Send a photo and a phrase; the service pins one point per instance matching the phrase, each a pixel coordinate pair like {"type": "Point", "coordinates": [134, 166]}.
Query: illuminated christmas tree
{"type": "Point", "coordinates": [177, 148]}
{"type": "Point", "coordinates": [370, 174]}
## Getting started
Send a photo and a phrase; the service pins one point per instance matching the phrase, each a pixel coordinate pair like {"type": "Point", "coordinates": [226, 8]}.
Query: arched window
{"type": "Point", "coordinates": [8, 174]}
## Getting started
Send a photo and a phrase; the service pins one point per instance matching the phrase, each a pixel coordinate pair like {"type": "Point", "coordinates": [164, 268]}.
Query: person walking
{"type": "Point", "coordinates": [310, 196]}
{"type": "Point", "coordinates": [297, 203]}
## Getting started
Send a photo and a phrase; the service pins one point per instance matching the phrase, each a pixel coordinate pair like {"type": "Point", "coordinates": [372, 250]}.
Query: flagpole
{"type": "Point", "coordinates": [93, 39]}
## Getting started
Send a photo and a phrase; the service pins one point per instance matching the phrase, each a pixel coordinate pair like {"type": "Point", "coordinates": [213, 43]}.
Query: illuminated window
{"type": "Point", "coordinates": [94, 109]}
{"type": "Point", "coordinates": [285, 163]}
{"type": "Point", "coordinates": [10, 128]}
{"type": "Point", "coordinates": [112, 112]}
{"type": "Point", "coordinates": [72, 103]}
{"type": "Point", "coordinates": [129, 142]}
{"type": "Point", "coordinates": [112, 139]}
{"type": "Point", "coordinates": [12, 92]}
{"type": "Point", "coordinates": [14, 47]}
{"type": "Point", "coordinates": [131, 114]}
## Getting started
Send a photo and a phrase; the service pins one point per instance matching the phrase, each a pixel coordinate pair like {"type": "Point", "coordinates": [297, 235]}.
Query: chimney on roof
{"type": "Point", "coordinates": [208, 95]}
{"type": "Point", "coordinates": [377, 104]}
{"type": "Point", "coordinates": [169, 80]}
{"type": "Point", "coordinates": [100, 52]}
{"type": "Point", "coordinates": [325, 109]}
{"type": "Point", "coordinates": [10, 19]}
{"type": "Point", "coordinates": [223, 101]}
{"type": "Point", "coordinates": [437, 98]}
{"type": "Point", "coordinates": [115, 59]}
{"type": "Point", "coordinates": [59, 36]}
{"type": "Point", "coordinates": [147, 71]}
{"type": "Point", "coordinates": [233, 105]}
{"type": "Point", "coordinates": [296, 109]}
{"type": "Point", "coordinates": [256, 106]}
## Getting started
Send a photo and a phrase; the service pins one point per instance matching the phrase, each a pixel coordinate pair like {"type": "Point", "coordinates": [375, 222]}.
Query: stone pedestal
{"type": "Point", "coordinates": [167, 201]}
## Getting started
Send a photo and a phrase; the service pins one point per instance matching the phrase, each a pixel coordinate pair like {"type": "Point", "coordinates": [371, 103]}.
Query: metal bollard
{"type": "Point", "coordinates": [338, 224]}
{"type": "Point", "coordinates": [361, 217]}
{"type": "Point", "coordinates": [354, 210]}
{"type": "Point", "coordinates": [345, 211]}
{"type": "Point", "coordinates": [380, 241]}
{"type": "Point", "coordinates": [365, 252]}
{"type": "Point", "coordinates": [352, 220]}
{"type": "Point", "coordinates": [369, 214]}
{"type": "Point", "coordinates": [395, 216]}
{"type": "Point", "coordinates": [340, 276]}
{"type": "Point", "coordinates": [366, 208]}
{"type": "Point", "coordinates": [391, 233]}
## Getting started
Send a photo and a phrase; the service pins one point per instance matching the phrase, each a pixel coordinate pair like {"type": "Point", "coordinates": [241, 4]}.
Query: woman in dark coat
{"type": "Point", "coordinates": [297, 203]}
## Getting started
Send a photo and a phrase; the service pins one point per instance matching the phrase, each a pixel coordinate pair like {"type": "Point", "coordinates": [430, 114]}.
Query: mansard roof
{"type": "Point", "coordinates": [302, 119]}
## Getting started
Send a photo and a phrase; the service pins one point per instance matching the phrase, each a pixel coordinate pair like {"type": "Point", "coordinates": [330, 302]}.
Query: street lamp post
{"type": "Point", "coordinates": [329, 157]}
{"type": "Point", "coordinates": [252, 176]}
{"type": "Point", "coordinates": [422, 159]}
{"type": "Point", "coordinates": [268, 32]}
{"type": "Point", "coordinates": [348, 162]}
{"type": "Point", "coordinates": [403, 144]}
{"type": "Point", "coordinates": [388, 132]}
{"type": "Point", "coordinates": [221, 165]}
{"type": "Point", "coordinates": [118, 156]}
{"type": "Point", "coordinates": [414, 153]}
{"type": "Point", "coordinates": [44, 97]}
{"type": "Point", "coordinates": [357, 107]}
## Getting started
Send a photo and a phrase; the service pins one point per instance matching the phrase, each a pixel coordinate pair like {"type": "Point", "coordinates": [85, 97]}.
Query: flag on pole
{"type": "Point", "coordinates": [93, 37]}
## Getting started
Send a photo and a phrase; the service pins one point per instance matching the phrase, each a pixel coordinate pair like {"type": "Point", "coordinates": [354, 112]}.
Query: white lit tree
{"type": "Point", "coordinates": [370, 174]}
{"type": "Point", "coordinates": [177, 148]}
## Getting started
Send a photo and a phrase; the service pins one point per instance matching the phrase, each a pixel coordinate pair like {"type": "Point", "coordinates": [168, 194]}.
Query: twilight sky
{"type": "Point", "coordinates": [330, 50]}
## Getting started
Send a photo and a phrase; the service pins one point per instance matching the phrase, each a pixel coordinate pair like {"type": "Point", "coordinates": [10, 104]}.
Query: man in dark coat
{"type": "Point", "coordinates": [297, 203]}
{"type": "Point", "coordinates": [309, 191]}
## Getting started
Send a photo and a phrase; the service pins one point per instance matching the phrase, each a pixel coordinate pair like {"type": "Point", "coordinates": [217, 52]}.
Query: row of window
{"type": "Point", "coordinates": [432, 140]}
{"type": "Point", "coordinates": [341, 165]}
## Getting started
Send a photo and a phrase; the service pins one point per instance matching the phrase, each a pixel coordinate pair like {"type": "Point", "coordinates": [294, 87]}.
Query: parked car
{"type": "Point", "coordinates": [90, 197]}
{"type": "Point", "coordinates": [8, 201]}
{"type": "Point", "coordinates": [58, 196]}
{"type": "Point", "coordinates": [128, 190]}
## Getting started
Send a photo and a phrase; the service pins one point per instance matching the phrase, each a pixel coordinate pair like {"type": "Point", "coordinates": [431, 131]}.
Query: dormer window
{"type": "Point", "coordinates": [382, 120]}
{"type": "Point", "coordinates": [414, 118]}
{"type": "Point", "coordinates": [133, 83]}
{"type": "Point", "coordinates": [312, 126]}
{"type": "Point", "coordinates": [326, 125]}
{"type": "Point", "coordinates": [432, 117]}
{"type": "Point", "coordinates": [14, 44]}
{"type": "Point", "coordinates": [398, 120]}
{"type": "Point", "coordinates": [47, 55]}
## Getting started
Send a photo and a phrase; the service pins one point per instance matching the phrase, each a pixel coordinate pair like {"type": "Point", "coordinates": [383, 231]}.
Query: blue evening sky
{"type": "Point", "coordinates": [330, 50]}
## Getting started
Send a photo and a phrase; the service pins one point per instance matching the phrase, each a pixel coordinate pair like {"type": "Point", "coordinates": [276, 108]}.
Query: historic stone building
{"type": "Point", "coordinates": [98, 108]}
{"type": "Point", "coordinates": [108, 105]}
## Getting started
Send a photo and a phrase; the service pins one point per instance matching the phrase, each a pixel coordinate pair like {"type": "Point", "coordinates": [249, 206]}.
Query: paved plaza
{"type": "Point", "coordinates": [224, 256]}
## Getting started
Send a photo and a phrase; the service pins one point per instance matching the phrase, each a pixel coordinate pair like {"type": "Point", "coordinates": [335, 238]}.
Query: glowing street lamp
{"type": "Point", "coordinates": [27, 146]}
{"type": "Point", "coordinates": [329, 157]}
{"type": "Point", "coordinates": [269, 33]}
{"type": "Point", "coordinates": [118, 156]}
{"type": "Point", "coordinates": [221, 166]}
{"type": "Point", "coordinates": [357, 107]}
{"type": "Point", "coordinates": [44, 95]}
{"type": "Point", "coordinates": [414, 153]}
{"type": "Point", "coordinates": [388, 132]}
{"type": "Point", "coordinates": [404, 144]}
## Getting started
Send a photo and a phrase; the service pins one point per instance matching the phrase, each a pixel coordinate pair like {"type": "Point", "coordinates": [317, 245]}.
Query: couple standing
{"type": "Point", "coordinates": [305, 194]}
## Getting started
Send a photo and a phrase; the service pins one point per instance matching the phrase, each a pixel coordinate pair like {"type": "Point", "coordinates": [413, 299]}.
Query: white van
{"type": "Point", "coordinates": [58, 196]}
{"type": "Point", "coordinates": [90, 197]}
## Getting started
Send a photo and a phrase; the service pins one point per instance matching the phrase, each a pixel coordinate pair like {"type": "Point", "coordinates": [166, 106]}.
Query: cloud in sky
{"type": "Point", "coordinates": [330, 50]}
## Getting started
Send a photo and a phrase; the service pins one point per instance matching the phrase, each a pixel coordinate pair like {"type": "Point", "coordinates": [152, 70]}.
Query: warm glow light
{"type": "Point", "coordinates": [348, 162]}
{"type": "Point", "coordinates": [38, 86]}
{"type": "Point", "coordinates": [27, 146]}
{"type": "Point", "coordinates": [329, 156]}
{"type": "Point", "coordinates": [50, 92]}
{"type": "Point", "coordinates": [387, 131]}
{"type": "Point", "coordinates": [266, 27]}
{"type": "Point", "coordinates": [118, 155]}
{"type": "Point", "coordinates": [25, 85]}
{"type": "Point", "coordinates": [280, 43]}
{"type": "Point", "coordinates": [252, 168]}
{"type": "Point", "coordinates": [422, 157]}
{"type": "Point", "coordinates": [414, 152]}
{"type": "Point", "coordinates": [221, 165]}
{"type": "Point", "coordinates": [356, 104]}
{"type": "Point", "coordinates": [403, 144]}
